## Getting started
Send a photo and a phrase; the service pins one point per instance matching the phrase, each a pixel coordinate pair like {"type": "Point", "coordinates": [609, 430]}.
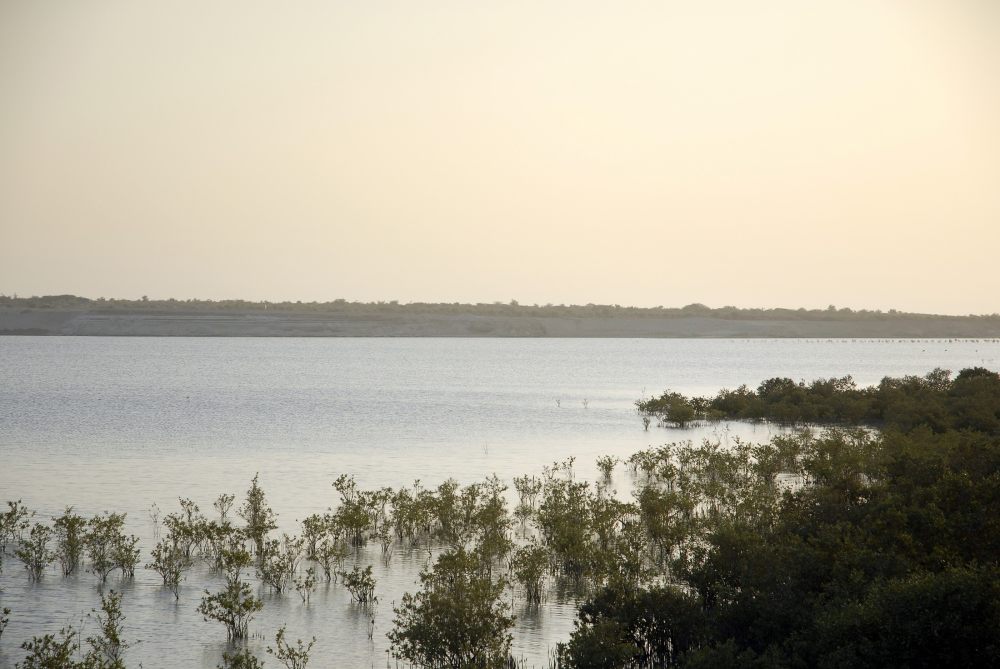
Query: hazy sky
{"type": "Point", "coordinates": [769, 153]}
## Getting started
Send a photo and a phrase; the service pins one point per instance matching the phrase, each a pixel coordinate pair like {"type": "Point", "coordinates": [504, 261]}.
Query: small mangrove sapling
{"type": "Point", "coordinates": [108, 648]}
{"type": "Point", "coordinates": [240, 659]}
{"type": "Point", "coordinates": [170, 563]}
{"type": "Point", "coordinates": [529, 566]}
{"type": "Point", "coordinates": [70, 530]}
{"type": "Point", "coordinates": [360, 583]}
{"type": "Point", "coordinates": [126, 554]}
{"type": "Point", "coordinates": [52, 651]}
{"type": "Point", "coordinates": [606, 464]}
{"type": "Point", "coordinates": [329, 554]}
{"type": "Point", "coordinates": [223, 504]}
{"type": "Point", "coordinates": [306, 584]}
{"type": "Point", "coordinates": [34, 551]}
{"type": "Point", "coordinates": [292, 657]}
{"type": "Point", "coordinates": [103, 537]}
{"type": "Point", "coordinates": [277, 564]}
{"type": "Point", "coordinates": [258, 515]}
{"type": "Point", "coordinates": [236, 605]}
{"type": "Point", "coordinates": [13, 523]}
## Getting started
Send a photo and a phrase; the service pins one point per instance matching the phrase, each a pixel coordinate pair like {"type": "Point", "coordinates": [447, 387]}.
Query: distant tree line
{"type": "Point", "coordinates": [512, 308]}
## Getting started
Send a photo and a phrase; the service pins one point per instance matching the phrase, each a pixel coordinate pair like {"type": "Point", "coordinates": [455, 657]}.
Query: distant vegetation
{"type": "Point", "coordinates": [835, 548]}
{"type": "Point", "coordinates": [970, 401]}
{"type": "Point", "coordinates": [512, 308]}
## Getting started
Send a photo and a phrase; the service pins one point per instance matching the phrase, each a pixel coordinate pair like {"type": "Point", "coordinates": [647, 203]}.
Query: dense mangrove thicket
{"type": "Point", "coordinates": [969, 401]}
{"type": "Point", "coordinates": [885, 557]}
{"type": "Point", "coordinates": [840, 547]}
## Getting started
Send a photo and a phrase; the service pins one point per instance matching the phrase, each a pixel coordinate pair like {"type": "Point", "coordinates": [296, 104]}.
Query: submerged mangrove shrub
{"type": "Point", "coordinates": [126, 554]}
{"type": "Point", "coordinates": [107, 546]}
{"type": "Point", "coordinates": [34, 551]}
{"type": "Point", "coordinates": [305, 585]}
{"type": "Point", "coordinates": [669, 408]}
{"type": "Point", "coordinates": [240, 659]}
{"type": "Point", "coordinates": [276, 565]}
{"type": "Point", "coordinates": [170, 562]}
{"type": "Point", "coordinates": [606, 465]}
{"type": "Point", "coordinates": [457, 619]}
{"type": "Point", "coordinates": [360, 583]}
{"type": "Point", "coordinates": [258, 515]}
{"type": "Point", "coordinates": [70, 532]}
{"type": "Point", "coordinates": [330, 554]}
{"type": "Point", "coordinates": [296, 657]}
{"type": "Point", "coordinates": [563, 519]}
{"type": "Point", "coordinates": [13, 522]}
{"type": "Point", "coordinates": [52, 651]}
{"type": "Point", "coordinates": [107, 649]}
{"type": "Point", "coordinates": [223, 504]}
{"type": "Point", "coordinates": [529, 565]}
{"type": "Point", "coordinates": [235, 605]}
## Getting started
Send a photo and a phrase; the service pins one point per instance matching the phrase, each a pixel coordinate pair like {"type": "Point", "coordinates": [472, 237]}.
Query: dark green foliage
{"type": "Point", "coordinates": [884, 555]}
{"type": "Point", "coordinates": [529, 565]}
{"type": "Point", "coordinates": [457, 619]}
{"type": "Point", "coordinates": [126, 554]}
{"type": "Point", "coordinates": [947, 618]}
{"type": "Point", "coordinates": [490, 523]}
{"type": "Point", "coordinates": [354, 517]}
{"type": "Point", "coordinates": [306, 584]}
{"type": "Point", "coordinates": [234, 606]}
{"type": "Point", "coordinates": [628, 627]}
{"type": "Point", "coordinates": [970, 401]}
{"type": "Point", "coordinates": [188, 528]}
{"type": "Point", "coordinates": [563, 520]}
{"type": "Point", "coordinates": [330, 554]}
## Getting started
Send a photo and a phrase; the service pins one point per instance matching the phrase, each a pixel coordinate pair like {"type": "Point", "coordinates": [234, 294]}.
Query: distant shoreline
{"type": "Point", "coordinates": [400, 322]}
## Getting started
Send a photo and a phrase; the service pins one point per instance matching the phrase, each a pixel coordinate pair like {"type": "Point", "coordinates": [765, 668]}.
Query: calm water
{"type": "Point", "coordinates": [121, 423]}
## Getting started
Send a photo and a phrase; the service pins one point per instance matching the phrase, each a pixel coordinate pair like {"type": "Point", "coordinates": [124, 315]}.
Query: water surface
{"type": "Point", "coordinates": [122, 423]}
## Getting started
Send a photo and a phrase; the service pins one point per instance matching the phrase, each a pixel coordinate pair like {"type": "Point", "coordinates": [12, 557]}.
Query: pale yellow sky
{"type": "Point", "coordinates": [772, 153]}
